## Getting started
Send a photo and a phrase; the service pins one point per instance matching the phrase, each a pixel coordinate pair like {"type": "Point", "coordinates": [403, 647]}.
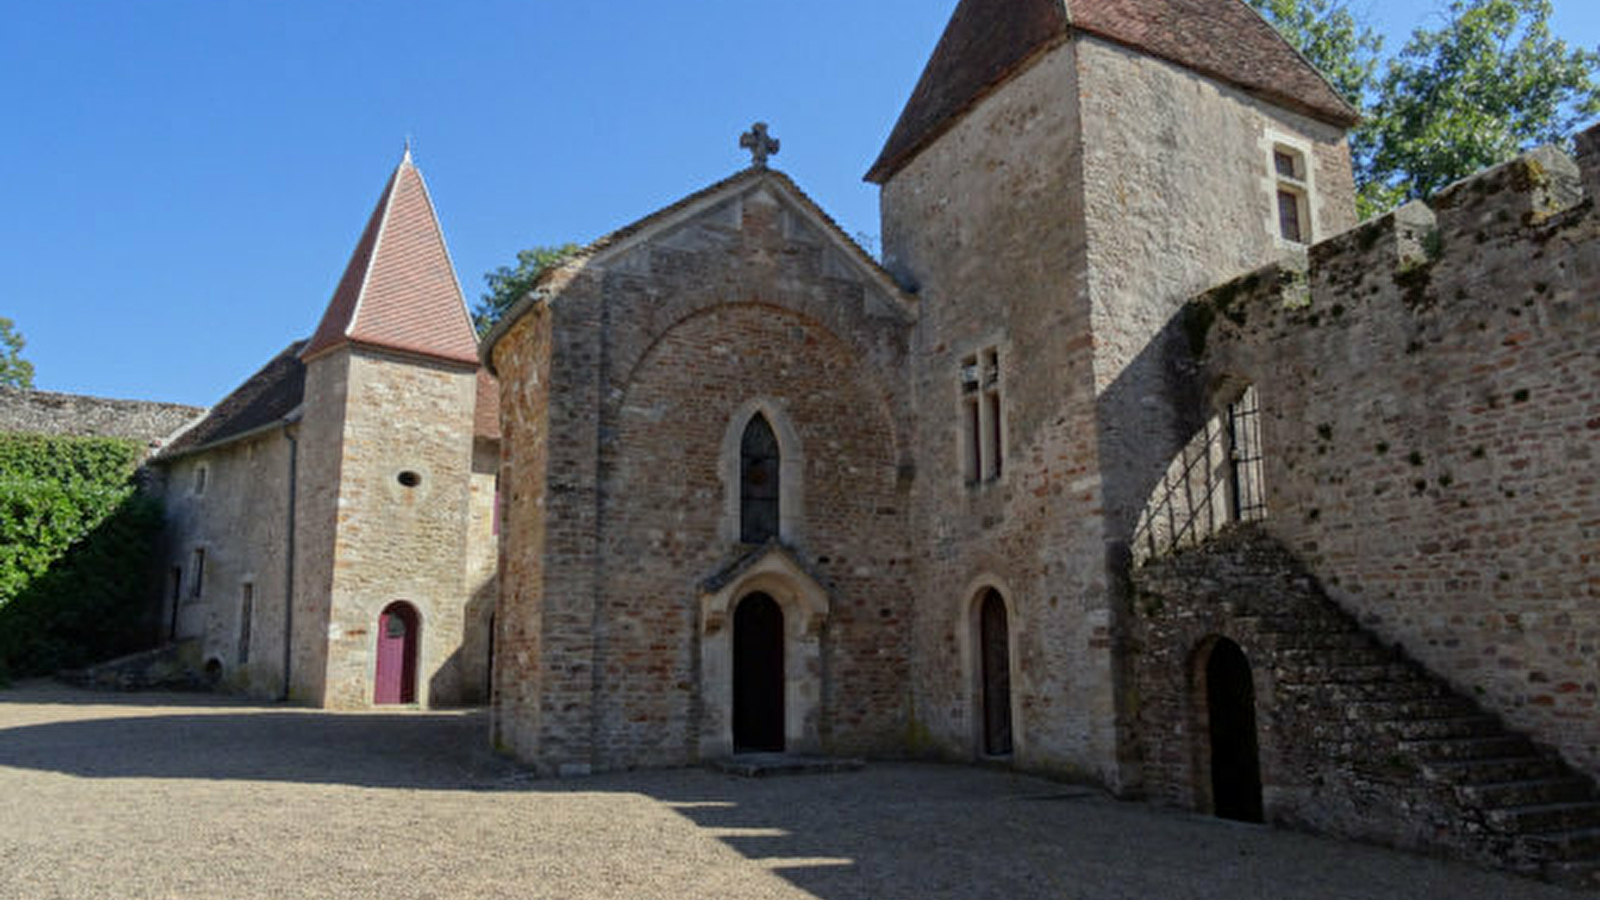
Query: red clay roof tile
{"type": "Point", "coordinates": [988, 40]}
{"type": "Point", "coordinates": [399, 291]}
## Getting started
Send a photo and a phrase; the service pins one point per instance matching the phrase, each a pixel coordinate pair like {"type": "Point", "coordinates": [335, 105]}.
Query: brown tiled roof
{"type": "Point", "coordinates": [399, 291]}
{"type": "Point", "coordinates": [486, 413]}
{"type": "Point", "coordinates": [987, 40]}
{"type": "Point", "coordinates": [265, 398]}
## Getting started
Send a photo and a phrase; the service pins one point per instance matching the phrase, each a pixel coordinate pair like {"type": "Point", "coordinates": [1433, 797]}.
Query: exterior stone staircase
{"type": "Point", "coordinates": [1356, 739]}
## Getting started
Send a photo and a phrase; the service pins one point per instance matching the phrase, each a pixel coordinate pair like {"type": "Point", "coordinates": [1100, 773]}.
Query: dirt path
{"type": "Point", "coordinates": [172, 796]}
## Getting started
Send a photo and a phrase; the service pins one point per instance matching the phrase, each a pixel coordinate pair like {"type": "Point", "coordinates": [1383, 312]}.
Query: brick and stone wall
{"type": "Point", "coordinates": [1431, 428]}
{"type": "Point", "coordinates": [395, 542]}
{"type": "Point", "coordinates": [620, 397]}
{"type": "Point", "coordinates": [1064, 220]}
{"type": "Point", "coordinates": [45, 412]}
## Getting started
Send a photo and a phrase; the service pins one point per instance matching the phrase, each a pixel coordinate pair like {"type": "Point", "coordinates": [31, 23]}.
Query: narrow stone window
{"type": "Point", "coordinates": [197, 585]}
{"type": "Point", "coordinates": [981, 422]}
{"type": "Point", "coordinates": [177, 600]}
{"type": "Point", "coordinates": [1293, 194]}
{"type": "Point", "coordinates": [247, 609]}
{"type": "Point", "coordinates": [201, 473]}
{"type": "Point", "coordinates": [1246, 495]}
{"type": "Point", "coordinates": [758, 482]}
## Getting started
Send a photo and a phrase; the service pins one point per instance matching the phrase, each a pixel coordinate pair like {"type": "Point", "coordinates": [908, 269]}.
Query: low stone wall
{"type": "Point", "coordinates": [43, 412]}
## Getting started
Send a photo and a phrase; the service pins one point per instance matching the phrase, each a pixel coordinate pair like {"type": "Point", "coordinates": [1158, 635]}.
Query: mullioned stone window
{"type": "Point", "coordinates": [1290, 184]}
{"type": "Point", "coordinates": [981, 424]}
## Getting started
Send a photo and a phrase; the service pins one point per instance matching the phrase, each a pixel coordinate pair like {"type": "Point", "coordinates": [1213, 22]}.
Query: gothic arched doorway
{"type": "Point", "coordinates": [1231, 715]}
{"type": "Point", "coordinates": [396, 678]}
{"type": "Point", "coordinates": [994, 639]}
{"type": "Point", "coordinates": [758, 682]}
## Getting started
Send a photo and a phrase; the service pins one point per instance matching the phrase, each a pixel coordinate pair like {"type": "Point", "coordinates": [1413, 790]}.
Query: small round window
{"type": "Point", "coordinates": [410, 479]}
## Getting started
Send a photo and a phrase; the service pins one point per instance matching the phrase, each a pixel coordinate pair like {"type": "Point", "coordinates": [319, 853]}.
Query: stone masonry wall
{"type": "Point", "coordinates": [616, 418]}
{"type": "Point", "coordinates": [1430, 392]}
{"type": "Point", "coordinates": [44, 412]}
{"type": "Point", "coordinates": [988, 223]}
{"type": "Point", "coordinates": [1179, 195]}
{"type": "Point", "coordinates": [240, 520]}
{"type": "Point", "coordinates": [483, 539]}
{"type": "Point", "coordinates": [1064, 220]}
{"type": "Point", "coordinates": [523, 362]}
{"type": "Point", "coordinates": [400, 543]}
{"type": "Point", "coordinates": [320, 437]}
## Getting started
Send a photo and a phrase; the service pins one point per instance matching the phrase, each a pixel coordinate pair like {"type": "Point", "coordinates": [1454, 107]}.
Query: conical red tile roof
{"type": "Point", "coordinates": [988, 40]}
{"type": "Point", "coordinates": [399, 291]}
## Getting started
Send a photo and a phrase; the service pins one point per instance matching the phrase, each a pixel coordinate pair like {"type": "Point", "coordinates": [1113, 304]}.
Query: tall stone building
{"type": "Point", "coordinates": [970, 420]}
{"type": "Point", "coordinates": [330, 522]}
{"type": "Point", "coordinates": [1315, 546]}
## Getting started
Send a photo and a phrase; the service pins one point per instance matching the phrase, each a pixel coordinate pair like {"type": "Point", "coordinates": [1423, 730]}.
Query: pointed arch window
{"type": "Point", "coordinates": [758, 482]}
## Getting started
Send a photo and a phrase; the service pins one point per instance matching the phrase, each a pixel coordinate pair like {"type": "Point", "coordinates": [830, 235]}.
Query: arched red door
{"type": "Point", "coordinates": [396, 678]}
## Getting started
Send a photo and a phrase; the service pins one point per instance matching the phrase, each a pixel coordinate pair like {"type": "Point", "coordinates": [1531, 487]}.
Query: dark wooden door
{"type": "Point", "coordinates": [758, 675]}
{"type": "Point", "coordinates": [995, 636]}
{"type": "Point", "coordinates": [1235, 762]}
{"type": "Point", "coordinates": [396, 676]}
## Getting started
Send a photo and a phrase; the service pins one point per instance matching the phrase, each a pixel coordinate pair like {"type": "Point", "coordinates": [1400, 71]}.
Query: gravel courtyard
{"type": "Point", "coordinates": [175, 796]}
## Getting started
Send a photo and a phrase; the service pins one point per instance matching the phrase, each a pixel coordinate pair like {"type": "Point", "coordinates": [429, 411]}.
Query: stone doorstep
{"type": "Point", "coordinates": [767, 765]}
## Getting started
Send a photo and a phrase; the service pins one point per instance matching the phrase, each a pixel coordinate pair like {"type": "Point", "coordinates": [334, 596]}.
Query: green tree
{"type": "Point", "coordinates": [14, 370]}
{"type": "Point", "coordinates": [1491, 83]}
{"type": "Point", "coordinates": [508, 284]}
{"type": "Point", "coordinates": [1325, 32]}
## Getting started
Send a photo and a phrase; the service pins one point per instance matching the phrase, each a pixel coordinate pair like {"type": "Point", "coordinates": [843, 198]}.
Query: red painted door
{"type": "Point", "coordinates": [396, 678]}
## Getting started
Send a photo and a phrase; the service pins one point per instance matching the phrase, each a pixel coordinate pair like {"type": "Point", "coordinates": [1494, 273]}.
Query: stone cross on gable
{"type": "Point", "coordinates": [759, 144]}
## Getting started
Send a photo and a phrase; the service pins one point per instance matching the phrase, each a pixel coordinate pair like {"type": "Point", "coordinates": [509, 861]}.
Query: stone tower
{"type": "Point", "coordinates": [1063, 178]}
{"type": "Point", "coordinates": [386, 465]}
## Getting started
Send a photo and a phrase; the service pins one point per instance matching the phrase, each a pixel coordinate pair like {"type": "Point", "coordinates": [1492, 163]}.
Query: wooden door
{"type": "Point", "coordinates": [758, 715]}
{"type": "Point", "coordinates": [396, 677]}
{"type": "Point", "coordinates": [995, 638]}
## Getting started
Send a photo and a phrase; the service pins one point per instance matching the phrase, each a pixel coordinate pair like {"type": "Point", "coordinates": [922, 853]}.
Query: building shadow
{"type": "Point", "coordinates": [224, 742]}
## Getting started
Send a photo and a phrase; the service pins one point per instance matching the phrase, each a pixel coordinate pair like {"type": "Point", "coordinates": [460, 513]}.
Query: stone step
{"type": "Point", "coordinates": [1544, 817]}
{"type": "Point", "coordinates": [1355, 673]}
{"type": "Point", "coordinates": [1497, 747]}
{"type": "Point", "coordinates": [1371, 691]}
{"type": "Point", "coordinates": [1579, 874]}
{"type": "Point", "coordinates": [768, 765]}
{"type": "Point", "coordinates": [1278, 623]}
{"type": "Point", "coordinates": [1474, 726]}
{"type": "Point", "coordinates": [1572, 844]}
{"type": "Point", "coordinates": [1536, 792]}
{"type": "Point", "coordinates": [1432, 706]}
{"type": "Point", "coordinates": [1308, 658]}
{"type": "Point", "coordinates": [1493, 770]}
{"type": "Point", "coordinates": [1318, 640]}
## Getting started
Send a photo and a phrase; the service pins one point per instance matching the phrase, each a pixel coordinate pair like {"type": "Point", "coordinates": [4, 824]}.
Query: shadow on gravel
{"type": "Point", "coordinates": [419, 750]}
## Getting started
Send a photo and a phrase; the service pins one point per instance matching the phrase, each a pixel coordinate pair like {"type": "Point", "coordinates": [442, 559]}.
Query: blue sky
{"type": "Point", "coordinates": [185, 179]}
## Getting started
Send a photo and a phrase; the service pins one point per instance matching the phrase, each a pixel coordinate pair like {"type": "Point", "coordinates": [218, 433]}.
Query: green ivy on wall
{"type": "Point", "coordinates": [76, 539]}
